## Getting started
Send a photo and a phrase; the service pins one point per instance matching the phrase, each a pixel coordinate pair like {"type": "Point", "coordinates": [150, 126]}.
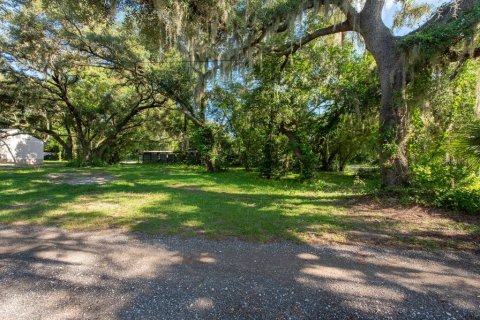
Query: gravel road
{"type": "Point", "coordinates": [50, 273]}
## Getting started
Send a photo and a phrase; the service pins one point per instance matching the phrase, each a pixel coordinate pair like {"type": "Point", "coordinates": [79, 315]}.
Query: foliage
{"type": "Point", "coordinates": [209, 33]}
{"type": "Point", "coordinates": [83, 84]}
{"type": "Point", "coordinates": [466, 143]}
{"type": "Point", "coordinates": [212, 143]}
{"type": "Point", "coordinates": [410, 13]}
{"type": "Point", "coordinates": [439, 38]}
{"type": "Point", "coordinates": [441, 167]}
{"type": "Point", "coordinates": [461, 199]}
{"type": "Point", "coordinates": [305, 115]}
{"type": "Point", "coordinates": [244, 82]}
{"type": "Point", "coordinates": [435, 124]}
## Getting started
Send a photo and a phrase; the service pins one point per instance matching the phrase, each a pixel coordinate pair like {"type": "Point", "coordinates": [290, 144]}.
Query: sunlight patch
{"type": "Point", "coordinates": [307, 256]}
{"type": "Point", "coordinates": [202, 304]}
{"type": "Point", "coordinates": [192, 223]}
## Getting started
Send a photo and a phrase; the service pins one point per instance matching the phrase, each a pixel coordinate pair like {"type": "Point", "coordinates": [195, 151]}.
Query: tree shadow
{"type": "Point", "coordinates": [49, 272]}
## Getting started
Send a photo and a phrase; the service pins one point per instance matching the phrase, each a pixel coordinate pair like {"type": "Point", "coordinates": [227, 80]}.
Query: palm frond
{"type": "Point", "coordinates": [466, 143]}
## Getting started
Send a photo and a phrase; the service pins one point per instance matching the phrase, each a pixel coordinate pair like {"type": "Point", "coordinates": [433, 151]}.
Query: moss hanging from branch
{"type": "Point", "coordinates": [439, 39]}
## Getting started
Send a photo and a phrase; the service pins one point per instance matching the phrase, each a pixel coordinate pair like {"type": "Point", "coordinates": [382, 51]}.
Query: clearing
{"type": "Point", "coordinates": [181, 200]}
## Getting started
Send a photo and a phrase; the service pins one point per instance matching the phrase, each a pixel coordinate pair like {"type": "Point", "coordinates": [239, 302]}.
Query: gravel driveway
{"type": "Point", "coordinates": [49, 273]}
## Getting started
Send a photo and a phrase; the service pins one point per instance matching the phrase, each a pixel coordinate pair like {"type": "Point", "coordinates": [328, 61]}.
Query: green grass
{"type": "Point", "coordinates": [187, 201]}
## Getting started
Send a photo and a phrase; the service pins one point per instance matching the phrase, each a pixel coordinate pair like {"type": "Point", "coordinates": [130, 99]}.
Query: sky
{"type": "Point", "coordinates": [391, 7]}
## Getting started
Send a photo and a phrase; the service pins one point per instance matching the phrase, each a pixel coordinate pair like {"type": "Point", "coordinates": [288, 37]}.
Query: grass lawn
{"type": "Point", "coordinates": [187, 201]}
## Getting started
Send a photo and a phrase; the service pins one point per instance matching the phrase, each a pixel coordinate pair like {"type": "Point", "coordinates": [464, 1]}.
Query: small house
{"type": "Point", "coordinates": [19, 148]}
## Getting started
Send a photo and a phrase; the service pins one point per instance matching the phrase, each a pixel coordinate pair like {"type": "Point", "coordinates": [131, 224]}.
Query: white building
{"type": "Point", "coordinates": [20, 148]}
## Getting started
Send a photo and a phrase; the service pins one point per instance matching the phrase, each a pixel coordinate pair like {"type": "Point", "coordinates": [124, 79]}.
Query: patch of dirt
{"type": "Point", "coordinates": [365, 235]}
{"type": "Point", "coordinates": [74, 178]}
{"type": "Point", "coordinates": [30, 204]}
{"type": "Point", "coordinates": [188, 188]}
{"type": "Point", "coordinates": [388, 222]}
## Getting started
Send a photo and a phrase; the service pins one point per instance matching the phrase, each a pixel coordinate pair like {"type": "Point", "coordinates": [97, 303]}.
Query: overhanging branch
{"type": "Point", "coordinates": [292, 47]}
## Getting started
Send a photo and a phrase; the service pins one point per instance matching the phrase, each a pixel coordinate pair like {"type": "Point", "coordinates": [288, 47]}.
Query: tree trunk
{"type": "Point", "coordinates": [69, 149]}
{"type": "Point", "coordinates": [209, 163]}
{"type": "Point", "coordinates": [393, 110]}
{"type": "Point", "coordinates": [208, 141]}
{"type": "Point", "coordinates": [393, 128]}
{"type": "Point", "coordinates": [305, 163]}
{"type": "Point", "coordinates": [267, 168]}
{"type": "Point", "coordinates": [326, 166]}
{"type": "Point", "coordinates": [65, 145]}
{"type": "Point", "coordinates": [185, 145]}
{"type": "Point", "coordinates": [68, 152]}
{"type": "Point", "coordinates": [326, 163]}
{"type": "Point", "coordinates": [293, 141]}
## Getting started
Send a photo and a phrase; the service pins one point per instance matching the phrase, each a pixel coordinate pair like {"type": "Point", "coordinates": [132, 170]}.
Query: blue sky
{"type": "Point", "coordinates": [391, 7]}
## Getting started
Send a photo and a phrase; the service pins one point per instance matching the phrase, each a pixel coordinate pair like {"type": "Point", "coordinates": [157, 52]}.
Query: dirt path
{"type": "Point", "coordinates": [48, 273]}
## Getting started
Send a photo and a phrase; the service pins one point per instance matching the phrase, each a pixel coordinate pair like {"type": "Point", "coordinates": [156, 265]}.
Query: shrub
{"type": "Point", "coordinates": [466, 200]}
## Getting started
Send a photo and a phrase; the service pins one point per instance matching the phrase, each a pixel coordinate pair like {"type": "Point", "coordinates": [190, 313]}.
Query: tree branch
{"type": "Point", "coordinates": [293, 47]}
{"type": "Point", "coordinates": [444, 14]}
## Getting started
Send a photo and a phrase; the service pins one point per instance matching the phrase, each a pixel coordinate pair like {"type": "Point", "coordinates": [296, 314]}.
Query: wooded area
{"type": "Point", "coordinates": [280, 86]}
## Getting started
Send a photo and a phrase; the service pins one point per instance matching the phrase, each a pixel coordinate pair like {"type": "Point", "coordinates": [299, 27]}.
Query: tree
{"type": "Point", "coordinates": [244, 26]}
{"type": "Point", "coordinates": [396, 66]}
{"type": "Point", "coordinates": [238, 32]}
{"type": "Point", "coordinates": [312, 112]}
{"type": "Point", "coordinates": [81, 85]}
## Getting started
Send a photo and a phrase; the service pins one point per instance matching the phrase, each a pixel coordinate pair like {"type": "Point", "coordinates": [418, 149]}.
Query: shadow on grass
{"type": "Point", "coordinates": [185, 200]}
{"type": "Point", "coordinates": [177, 200]}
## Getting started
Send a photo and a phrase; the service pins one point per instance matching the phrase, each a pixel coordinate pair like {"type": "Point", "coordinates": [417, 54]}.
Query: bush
{"type": "Point", "coordinates": [439, 174]}
{"type": "Point", "coordinates": [446, 185]}
{"type": "Point", "coordinates": [466, 200]}
{"type": "Point", "coordinates": [79, 163]}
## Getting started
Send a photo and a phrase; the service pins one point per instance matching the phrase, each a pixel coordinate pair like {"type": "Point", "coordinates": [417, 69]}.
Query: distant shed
{"type": "Point", "coordinates": [20, 148]}
{"type": "Point", "coordinates": [190, 157]}
{"type": "Point", "coordinates": [160, 156]}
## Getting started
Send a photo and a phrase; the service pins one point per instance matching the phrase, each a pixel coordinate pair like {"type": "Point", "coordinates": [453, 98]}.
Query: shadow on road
{"type": "Point", "coordinates": [55, 274]}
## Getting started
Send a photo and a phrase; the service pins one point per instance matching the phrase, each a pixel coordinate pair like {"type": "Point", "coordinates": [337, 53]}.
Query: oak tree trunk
{"type": "Point", "coordinates": [393, 128]}
{"type": "Point", "coordinates": [393, 109]}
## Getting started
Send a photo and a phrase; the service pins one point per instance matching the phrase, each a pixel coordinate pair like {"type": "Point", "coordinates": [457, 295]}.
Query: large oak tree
{"type": "Point", "coordinates": [241, 31]}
